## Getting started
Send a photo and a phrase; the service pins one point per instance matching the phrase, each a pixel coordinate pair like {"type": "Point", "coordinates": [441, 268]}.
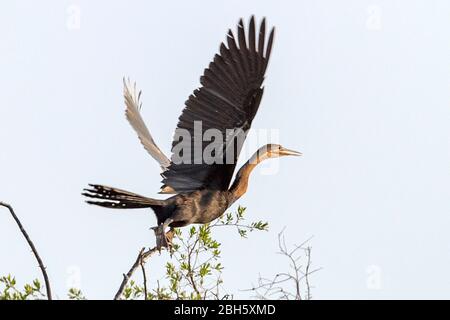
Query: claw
{"type": "Point", "coordinates": [163, 240]}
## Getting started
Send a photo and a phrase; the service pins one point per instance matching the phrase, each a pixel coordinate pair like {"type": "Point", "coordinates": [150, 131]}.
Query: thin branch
{"type": "Point", "coordinates": [297, 274]}
{"type": "Point", "coordinates": [140, 261]}
{"type": "Point", "coordinates": [144, 275]}
{"type": "Point", "coordinates": [190, 266]}
{"type": "Point", "coordinates": [33, 248]}
{"type": "Point", "coordinates": [237, 225]}
{"type": "Point", "coordinates": [307, 273]}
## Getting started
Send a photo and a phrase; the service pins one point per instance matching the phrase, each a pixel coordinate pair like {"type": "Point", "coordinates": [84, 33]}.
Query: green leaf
{"type": "Point", "coordinates": [242, 233]}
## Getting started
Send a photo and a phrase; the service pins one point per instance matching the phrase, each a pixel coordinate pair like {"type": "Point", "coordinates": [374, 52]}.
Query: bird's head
{"type": "Point", "coordinates": [273, 150]}
{"type": "Point", "coordinates": [276, 150]}
{"type": "Point", "coordinates": [268, 151]}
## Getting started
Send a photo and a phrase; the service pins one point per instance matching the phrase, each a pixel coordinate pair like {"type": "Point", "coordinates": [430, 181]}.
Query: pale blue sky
{"type": "Point", "coordinates": [360, 87]}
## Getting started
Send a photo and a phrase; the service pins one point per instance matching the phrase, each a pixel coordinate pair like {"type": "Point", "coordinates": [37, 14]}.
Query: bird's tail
{"type": "Point", "coordinates": [118, 199]}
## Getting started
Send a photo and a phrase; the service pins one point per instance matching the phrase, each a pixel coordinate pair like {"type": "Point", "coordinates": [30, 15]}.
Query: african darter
{"type": "Point", "coordinates": [227, 102]}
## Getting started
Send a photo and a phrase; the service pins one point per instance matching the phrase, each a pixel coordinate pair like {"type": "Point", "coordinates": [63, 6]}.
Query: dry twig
{"type": "Point", "coordinates": [275, 288]}
{"type": "Point", "coordinates": [33, 248]}
{"type": "Point", "coordinates": [140, 261]}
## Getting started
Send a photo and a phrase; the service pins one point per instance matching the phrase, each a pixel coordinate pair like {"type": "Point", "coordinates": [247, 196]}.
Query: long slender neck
{"type": "Point", "coordinates": [240, 184]}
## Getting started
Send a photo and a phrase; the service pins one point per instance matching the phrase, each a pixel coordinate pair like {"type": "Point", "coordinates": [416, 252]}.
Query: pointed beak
{"type": "Point", "coordinates": [287, 152]}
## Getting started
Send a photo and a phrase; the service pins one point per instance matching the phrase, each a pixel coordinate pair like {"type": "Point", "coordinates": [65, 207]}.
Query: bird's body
{"type": "Point", "coordinates": [201, 206]}
{"type": "Point", "coordinates": [200, 175]}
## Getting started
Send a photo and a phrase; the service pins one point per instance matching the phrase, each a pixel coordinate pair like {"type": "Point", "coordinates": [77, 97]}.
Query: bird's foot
{"type": "Point", "coordinates": [163, 239]}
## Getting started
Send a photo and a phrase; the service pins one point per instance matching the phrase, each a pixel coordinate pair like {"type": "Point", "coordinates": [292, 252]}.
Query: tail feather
{"type": "Point", "coordinates": [117, 198]}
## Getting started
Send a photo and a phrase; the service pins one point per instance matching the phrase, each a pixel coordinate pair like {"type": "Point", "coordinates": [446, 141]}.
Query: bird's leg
{"type": "Point", "coordinates": [170, 234]}
{"type": "Point", "coordinates": [162, 240]}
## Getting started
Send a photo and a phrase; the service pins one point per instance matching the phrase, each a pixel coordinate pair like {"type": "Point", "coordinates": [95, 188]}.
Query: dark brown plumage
{"type": "Point", "coordinates": [227, 102]}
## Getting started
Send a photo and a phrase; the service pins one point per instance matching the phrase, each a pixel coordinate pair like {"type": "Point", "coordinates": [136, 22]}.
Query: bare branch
{"type": "Point", "coordinates": [33, 248]}
{"type": "Point", "coordinates": [298, 276]}
{"type": "Point", "coordinates": [144, 276]}
{"type": "Point", "coordinates": [308, 264]}
{"type": "Point", "coordinates": [140, 261]}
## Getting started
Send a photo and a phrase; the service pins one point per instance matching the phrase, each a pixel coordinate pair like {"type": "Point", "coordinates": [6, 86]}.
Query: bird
{"type": "Point", "coordinates": [224, 106]}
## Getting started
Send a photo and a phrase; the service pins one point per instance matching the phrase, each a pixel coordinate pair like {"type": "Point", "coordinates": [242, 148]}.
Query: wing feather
{"type": "Point", "coordinates": [132, 112]}
{"type": "Point", "coordinates": [228, 99]}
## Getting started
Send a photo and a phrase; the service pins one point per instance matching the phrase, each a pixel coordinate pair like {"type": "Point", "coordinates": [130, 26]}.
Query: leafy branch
{"type": "Point", "coordinates": [195, 270]}
{"type": "Point", "coordinates": [75, 294]}
{"type": "Point", "coordinates": [9, 290]}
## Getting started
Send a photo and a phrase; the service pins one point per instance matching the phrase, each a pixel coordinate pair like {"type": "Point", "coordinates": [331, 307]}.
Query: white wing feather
{"type": "Point", "coordinates": [132, 112]}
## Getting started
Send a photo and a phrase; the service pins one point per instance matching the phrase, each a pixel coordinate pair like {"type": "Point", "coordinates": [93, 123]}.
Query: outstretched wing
{"type": "Point", "coordinates": [132, 112]}
{"type": "Point", "coordinates": [227, 102]}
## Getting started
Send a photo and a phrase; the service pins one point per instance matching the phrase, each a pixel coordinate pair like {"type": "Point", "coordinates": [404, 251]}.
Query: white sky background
{"type": "Point", "coordinates": [360, 87]}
